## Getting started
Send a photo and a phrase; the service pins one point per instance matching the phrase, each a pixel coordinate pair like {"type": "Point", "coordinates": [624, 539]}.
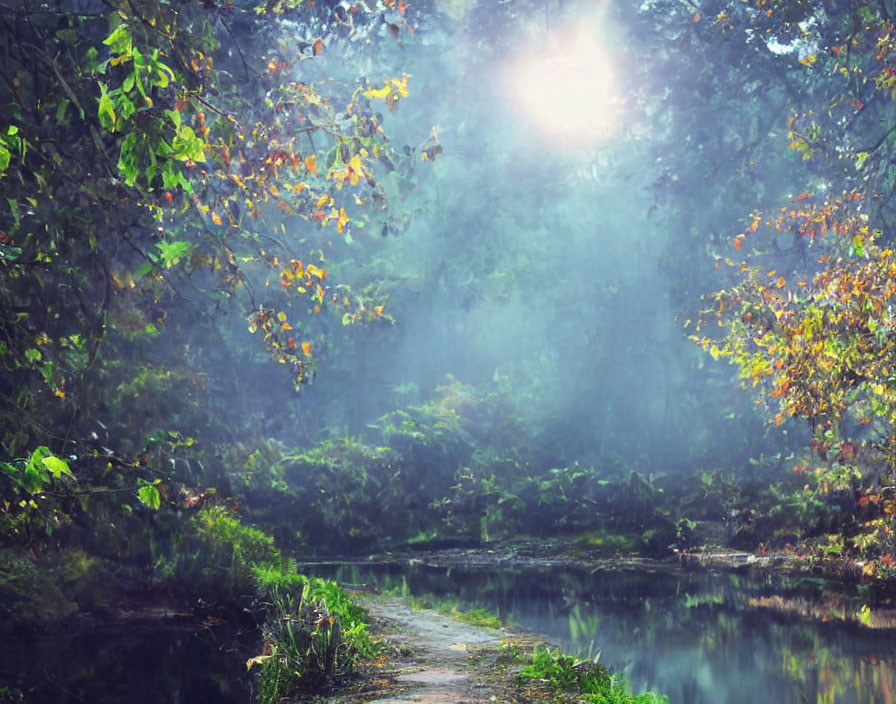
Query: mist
{"type": "Point", "coordinates": [562, 265]}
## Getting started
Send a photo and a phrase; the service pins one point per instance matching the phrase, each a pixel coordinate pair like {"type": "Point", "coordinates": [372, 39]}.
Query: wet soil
{"type": "Point", "coordinates": [432, 659]}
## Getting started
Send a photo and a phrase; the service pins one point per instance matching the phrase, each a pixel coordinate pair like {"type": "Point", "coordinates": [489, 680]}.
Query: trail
{"type": "Point", "coordinates": [437, 671]}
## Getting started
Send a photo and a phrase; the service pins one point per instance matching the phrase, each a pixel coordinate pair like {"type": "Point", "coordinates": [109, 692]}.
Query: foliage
{"type": "Point", "coordinates": [166, 169]}
{"type": "Point", "coordinates": [476, 615]}
{"type": "Point", "coordinates": [448, 469]}
{"type": "Point", "coordinates": [593, 682]}
{"type": "Point", "coordinates": [30, 593]}
{"type": "Point", "coordinates": [806, 316]}
{"type": "Point", "coordinates": [313, 633]}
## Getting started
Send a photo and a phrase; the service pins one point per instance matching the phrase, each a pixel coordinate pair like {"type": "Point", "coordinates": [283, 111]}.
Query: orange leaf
{"type": "Point", "coordinates": [754, 224]}
{"type": "Point", "coordinates": [318, 46]}
{"type": "Point", "coordinates": [803, 196]}
{"type": "Point", "coordinates": [306, 348]}
{"type": "Point", "coordinates": [738, 241]}
{"type": "Point", "coordinates": [311, 164]}
{"type": "Point", "coordinates": [216, 218]}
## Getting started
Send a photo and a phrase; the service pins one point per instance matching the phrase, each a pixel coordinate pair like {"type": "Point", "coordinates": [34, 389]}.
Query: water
{"type": "Point", "coordinates": [158, 664]}
{"type": "Point", "coordinates": [699, 636]}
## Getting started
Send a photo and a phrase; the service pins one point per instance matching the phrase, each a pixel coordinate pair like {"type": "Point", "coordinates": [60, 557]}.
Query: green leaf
{"type": "Point", "coordinates": [57, 466]}
{"type": "Point", "coordinates": [106, 111]}
{"type": "Point", "coordinates": [5, 157]}
{"type": "Point", "coordinates": [61, 109]}
{"type": "Point", "coordinates": [119, 42]}
{"type": "Point", "coordinates": [175, 117]}
{"type": "Point", "coordinates": [32, 355]}
{"type": "Point", "coordinates": [171, 253]}
{"type": "Point", "coordinates": [142, 270]}
{"type": "Point", "coordinates": [14, 209]}
{"type": "Point", "coordinates": [127, 160]}
{"type": "Point", "coordinates": [150, 496]}
{"type": "Point", "coordinates": [860, 160]}
{"type": "Point", "coordinates": [36, 476]}
{"type": "Point", "coordinates": [187, 146]}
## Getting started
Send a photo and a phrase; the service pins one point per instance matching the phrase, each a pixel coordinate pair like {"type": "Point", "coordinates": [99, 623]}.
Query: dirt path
{"type": "Point", "coordinates": [434, 668]}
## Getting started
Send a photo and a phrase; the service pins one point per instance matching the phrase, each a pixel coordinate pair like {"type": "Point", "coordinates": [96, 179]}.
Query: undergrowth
{"type": "Point", "coordinates": [587, 680]}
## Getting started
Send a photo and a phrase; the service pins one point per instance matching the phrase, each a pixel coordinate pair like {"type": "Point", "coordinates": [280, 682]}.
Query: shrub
{"type": "Point", "coordinates": [312, 635]}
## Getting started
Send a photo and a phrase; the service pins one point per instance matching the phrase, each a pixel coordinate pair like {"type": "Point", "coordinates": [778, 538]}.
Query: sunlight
{"type": "Point", "coordinates": [568, 90]}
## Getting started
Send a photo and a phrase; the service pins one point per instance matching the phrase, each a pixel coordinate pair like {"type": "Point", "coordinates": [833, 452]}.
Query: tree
{"type": "Point", "coordinates": [807, 317]}
{"type": "Point", "coordinates": [161, 163]}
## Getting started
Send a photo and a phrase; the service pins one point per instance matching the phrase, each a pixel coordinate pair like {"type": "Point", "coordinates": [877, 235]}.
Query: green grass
{"type": "Point", "coordinates": [475, 616]}
{"type": "Point", "coordinates": [594, 683]}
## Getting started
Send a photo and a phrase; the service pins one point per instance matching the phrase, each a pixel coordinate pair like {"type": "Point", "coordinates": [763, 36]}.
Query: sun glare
{"type": "Point", "coordinates": [568, 89]}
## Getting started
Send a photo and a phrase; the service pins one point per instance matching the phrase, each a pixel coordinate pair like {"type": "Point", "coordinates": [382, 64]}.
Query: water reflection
{"type": "Point", "coordinates": [702, 637]}
{"type": "Point", "coordinates": [137, 665]}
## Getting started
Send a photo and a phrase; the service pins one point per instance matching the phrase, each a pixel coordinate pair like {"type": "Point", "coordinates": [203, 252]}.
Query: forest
{"type": "Point", "coordinates": [578, 315]}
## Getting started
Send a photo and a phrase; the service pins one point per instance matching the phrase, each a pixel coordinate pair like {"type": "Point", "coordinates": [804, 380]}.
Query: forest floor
{"type": "Point", "coordinates": [433, 659]}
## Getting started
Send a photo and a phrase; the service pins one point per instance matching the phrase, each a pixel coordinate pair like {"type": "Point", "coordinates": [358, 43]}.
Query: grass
{"type": "Point", "coordinates": [475, 615]}
{"type": "Point", "coordinates": [313, 635]}
{"type": "Point", "coordinates": [524, 669]}
{"type": "Point", "coordinates": [586, 679]}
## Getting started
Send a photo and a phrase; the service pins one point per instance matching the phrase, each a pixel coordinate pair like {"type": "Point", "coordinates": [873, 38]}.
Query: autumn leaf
{"type": "Point", "coordinates": [342, 221]}
{"type": "Point", "coordinates": [311, 164]}
{"type": "Point", "coordinates": [755, 224]}
{"type": "Point", "coordinates": [378, 92]}
{"type": "Point", "coordinates": [315, 271]}
{"type": "Point", "coordinates": [318, 48]}
{"type": "Point", "coordinates": [306, 349]}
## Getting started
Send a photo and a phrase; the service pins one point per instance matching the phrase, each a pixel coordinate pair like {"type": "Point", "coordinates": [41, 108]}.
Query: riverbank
{"type": "Point", "coordinates": [429, 658]}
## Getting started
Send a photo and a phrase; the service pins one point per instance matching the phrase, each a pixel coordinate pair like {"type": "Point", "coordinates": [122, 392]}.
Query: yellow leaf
{"type": "Point", "coordinates": [315, 271]}
{"type": "Point", "coordinates": [281, 317]}
{"type": "Point", "coordinates": [378, 92]}
{"type": "Point", "coordinates": [342, 221]}
{"type": "Point", "coordinates": [216, 218]}
{"type": "Point", "coordinates": [401, 85]}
